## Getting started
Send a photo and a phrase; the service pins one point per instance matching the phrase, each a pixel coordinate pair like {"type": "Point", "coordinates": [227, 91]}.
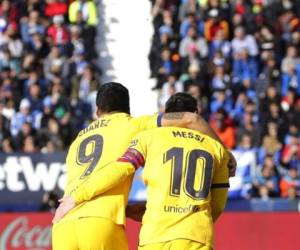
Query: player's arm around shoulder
{"type": "Point", "coordinates": [103, 179]}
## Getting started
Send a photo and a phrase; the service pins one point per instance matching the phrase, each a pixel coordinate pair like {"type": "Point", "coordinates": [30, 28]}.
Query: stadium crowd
{"type": "Point", "coordinates": [48, 74]}
{"type": "Point", "coordinates": [240, 60]}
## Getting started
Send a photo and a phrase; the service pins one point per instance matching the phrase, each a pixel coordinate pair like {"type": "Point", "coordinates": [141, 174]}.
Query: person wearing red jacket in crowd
{"type": "Point", "coordinates": [215, 23]}
{"type": "Point", "coordinates": [291, 152]}
{"type": "Point", "coordinates": [224, 127]}
{"type": "Point", "coordinates": [290, 184]}
{"type": "Point", "coordinates": [58, 32]}
{"type": "Point", "coordinates": [55, 7]}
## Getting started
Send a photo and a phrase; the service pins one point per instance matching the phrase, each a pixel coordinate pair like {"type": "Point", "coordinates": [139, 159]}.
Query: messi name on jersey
{"type": "Point", "coordinates": [188, 135]}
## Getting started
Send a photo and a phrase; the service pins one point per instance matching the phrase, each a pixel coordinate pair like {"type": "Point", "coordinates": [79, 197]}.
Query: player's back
{"type": "Point", "coordinates": [179, 171]}
{"type": "Point", "coordinates": [102, 142]}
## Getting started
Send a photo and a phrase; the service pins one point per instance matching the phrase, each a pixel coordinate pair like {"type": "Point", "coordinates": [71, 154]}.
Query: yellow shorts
{"type": "Point", "coordinates": [179, 244]}
{"type": "Point", "coordinates": [90, 233]}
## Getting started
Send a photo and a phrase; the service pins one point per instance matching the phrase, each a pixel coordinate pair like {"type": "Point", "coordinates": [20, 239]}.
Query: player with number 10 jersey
{"type": "Point", "coordinates": [180, 171]}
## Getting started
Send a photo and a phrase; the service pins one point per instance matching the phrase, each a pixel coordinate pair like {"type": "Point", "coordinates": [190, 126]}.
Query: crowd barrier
{"type": "Point", "coordinates": [234, 231]}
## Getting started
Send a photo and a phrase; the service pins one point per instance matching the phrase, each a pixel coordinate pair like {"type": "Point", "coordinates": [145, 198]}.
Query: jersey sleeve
{"type": "Point", "coordinates": [102, 180]}
{"type": "Point", "coordinates": [221, 172]}
{"type": "Point", "coordinates": [147, 122]}
{"type": "Point", "coordinates": [136, 152]}
{"type": "Point", "coordinates": [220, 185]}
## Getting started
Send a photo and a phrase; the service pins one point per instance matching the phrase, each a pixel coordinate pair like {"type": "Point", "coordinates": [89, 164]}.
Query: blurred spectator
{"type": "Point", "coordinates": [84, 85]}
{"type": "Point", "coordinates": [245, 143]}
{"type": "Point", "coordinates": [188, 7]}
{"type": "Point", "coordinates": [61, 109]}
{"type": "Point", "coordinates": [270, 141]}
{"type": "Point", "coordinates": [269, 75]}
{"type": "Point", "coordinates": [38, 45]}
{"type": "Point", "coordinates": [244, 68]}
{"type": "Point", "coordinates": [221, 99]}
{"type": "Point", "coordinates": [29, 145]}
{"type": "Point", "coordinates": [31, 25]}
{"type": "Point", "coordinates": [170, 87]}
{"type": "Point", "coordinates": [275, 114]}
{"type": "Point", "coordinates": [193, 42]}
{"type": "Point", "coordinates": [270, 95]}
{"type": "Point", "coordinates": [193, 76]}
{"type": "Point", "coordinates": [76, 40]}
{"type": "Point", "coordinates": [86, 9]}
{"type": "Point", "coordinates": [21, 117]}
{"type": "Point", "coordinates": [215, 24]}
{"type": "Point", "coordinates": [291, 79]}
{"type": "Point", "coordinates": [248, 126]}
{"type": "Point", "coordinates": [291, 152]}
{"type": "Point", "coordinates": [7, 146]}
{"type": "Point", "coordinates": [49, 202]}
{"type": "Point", "coordinates": [8, 12]}
{"type": "Point", "coordinates": [58, 32]}
{"type": "Point", "coordinates": [265, 182]}
{"type": "Point", "coordinates": [244, 42]}
{"type": "Point", "coordinates": [291, 59]}
{"type": "Point", "coordinates": [224, 127]}
{"type": "Point", "coordinates": [290, 184]}
{"type": "Point", "coordinates": [55, 65]}
{"type": "Point", "coordinates": [220, 79]}
{"type": "Point", "coordinates": [220, 43]}
{"type": "Point", "coordinates": [266, 43]}
{"type": "Point", "coordinates": [25, 132]}
{"type": "Point", "coordinates": [163, 67]}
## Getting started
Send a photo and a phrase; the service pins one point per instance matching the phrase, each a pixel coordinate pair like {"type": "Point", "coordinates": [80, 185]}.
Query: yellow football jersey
{"type": "Point", "coordinates": [181, 166]}
{"type": "Point", "coordinates": [102, 142]}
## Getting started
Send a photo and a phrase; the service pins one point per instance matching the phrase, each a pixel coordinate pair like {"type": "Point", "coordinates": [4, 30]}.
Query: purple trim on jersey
{"type": "Point", "coordinates": [220, 185]}
{"type": "Point", "coordinates": [159, 118]}
{"type": "Point", "coordinates": [134, 157]}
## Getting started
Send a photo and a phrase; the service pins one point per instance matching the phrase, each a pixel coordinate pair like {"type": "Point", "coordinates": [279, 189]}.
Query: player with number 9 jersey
{"type": "Point", "coordinates": [95, 147]}
{"type": "Point", "coordinates": [98, 223]}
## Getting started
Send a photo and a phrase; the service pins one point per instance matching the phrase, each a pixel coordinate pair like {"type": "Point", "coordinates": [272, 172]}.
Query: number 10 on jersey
{"type": "Point", "coordinates": [194, 160]}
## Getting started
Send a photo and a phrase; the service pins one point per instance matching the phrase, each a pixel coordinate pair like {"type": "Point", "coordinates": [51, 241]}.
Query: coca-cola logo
{"type": "Point", "coordinates": [18, 234]}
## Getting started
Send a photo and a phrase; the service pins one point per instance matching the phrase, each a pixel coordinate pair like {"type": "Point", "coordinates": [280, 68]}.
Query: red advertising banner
{"type": "Point", "coordinates": [259, 231]}
{"type": "Point", "coordinates": [234, 231]}
{"type": "Point", "coordinates": [22, 231]}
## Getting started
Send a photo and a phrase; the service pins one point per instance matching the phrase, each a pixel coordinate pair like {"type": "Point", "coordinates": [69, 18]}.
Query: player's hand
{"type": "Point", "coordinates": [231, 165]}
{"type": "Point", "coordinates": [67, 203]}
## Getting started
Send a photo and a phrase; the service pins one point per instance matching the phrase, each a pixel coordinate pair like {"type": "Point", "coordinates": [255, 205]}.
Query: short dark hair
{"type": "Point", "coordinates": [113, 97]}
{"type": "Point", "coordinates": [181, 102]}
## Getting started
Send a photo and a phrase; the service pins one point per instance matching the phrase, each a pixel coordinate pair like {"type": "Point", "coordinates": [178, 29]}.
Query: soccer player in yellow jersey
{"type": "Point", "coordinates": [98, 223]}
{"type": "Point", "coordinates": [187, 181]}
